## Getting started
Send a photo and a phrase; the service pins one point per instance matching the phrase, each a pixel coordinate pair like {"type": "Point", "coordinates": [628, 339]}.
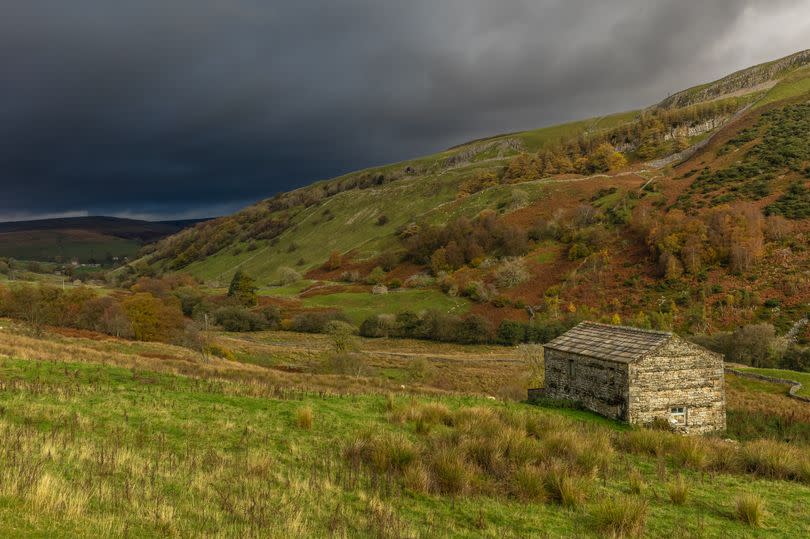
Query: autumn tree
{"type": "Point", "coordinates": [243, 288]}
{"type": "Point", "coordinates": [151, 318]}
{"type": "Point", "coordinates": [606, 158]}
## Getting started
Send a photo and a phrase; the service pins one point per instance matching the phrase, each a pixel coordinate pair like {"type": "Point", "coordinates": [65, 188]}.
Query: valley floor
{"type": "Point", "coordinates": [104, 437]}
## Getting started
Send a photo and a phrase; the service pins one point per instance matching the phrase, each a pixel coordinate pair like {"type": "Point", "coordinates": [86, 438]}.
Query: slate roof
{"type": "Point", "coordinates": [613, 343]}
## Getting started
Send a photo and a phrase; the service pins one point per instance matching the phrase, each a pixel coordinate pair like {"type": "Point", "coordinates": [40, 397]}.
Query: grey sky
{"type": "Point", "coordinates": [181, 108]}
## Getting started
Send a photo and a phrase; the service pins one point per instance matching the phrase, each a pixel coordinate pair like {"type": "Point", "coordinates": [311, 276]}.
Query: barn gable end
{"type": "Point", "coordinates": [679, 381]}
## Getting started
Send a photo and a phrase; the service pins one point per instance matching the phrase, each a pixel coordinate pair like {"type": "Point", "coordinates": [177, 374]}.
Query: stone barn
{"type": "Point", "coordinates": [637, 376]}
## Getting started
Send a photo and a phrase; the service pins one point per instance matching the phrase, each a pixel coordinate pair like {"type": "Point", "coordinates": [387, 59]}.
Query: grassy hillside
{"type": "Point", "coordinates": [745, 80]}
{"type": "Point", "coordinates": [82, 238]}
{"type": "Point", "coordinates": [112, 438]}
{"type": "Point", "coordinates": [588, 231]}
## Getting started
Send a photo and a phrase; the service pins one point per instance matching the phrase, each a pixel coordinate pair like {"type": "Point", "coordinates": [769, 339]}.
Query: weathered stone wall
{"type": "Point", "coordinates": [678, 374]}
{"type": "Point", "coordinates": [598, 385]}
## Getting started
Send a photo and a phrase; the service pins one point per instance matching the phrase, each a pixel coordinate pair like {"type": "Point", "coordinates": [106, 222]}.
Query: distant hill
{"type": "Point", "coordinates": [87, 239]}
{"type": "Point", "coordinates": [692, 213]}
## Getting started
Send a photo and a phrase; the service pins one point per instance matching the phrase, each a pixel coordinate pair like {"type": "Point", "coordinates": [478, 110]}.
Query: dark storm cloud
{"type": "Point", "coordinates": [181, 107]}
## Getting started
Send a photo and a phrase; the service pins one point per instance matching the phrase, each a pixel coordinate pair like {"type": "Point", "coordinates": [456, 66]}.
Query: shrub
{"type": "Point", "coordinates": [351, 276]}
{"type": "Point", "coordinates": [271, 315]}
{"type": "Point", "coordinates": [372, 327]}
{"type": "Point", "coordinates": [287, 276]}
{"type": "Point", "coordinates": [750, 509]}
{"type": "Point", "coordinates": [350, 364]}
{"type": "Point", "coordinates": [678, 490]}
{"type": "Point", "coordinates": [511, 273]}
{"type": "Point", "coordinates": [578, 251]}
{"type": "Point", "coordinates": [407, 324]}
{"type": "Point", "coordinates": [474, 329]}
{"type": "Point", "coordinates": [303, 417]}
{"type": "Point", "coordinates": [239, 319]}
{"type": "Point", "coordinates": [419, 369]}
{"type": "Point", "coordinates": [314, 322]}
{"type": "Point", "coordinates": [477, 291]}
{"type": "Point", "coordinates": [379, 290]}
{"type": "Point", "coordinates": [796, 359]}
{"type": "Point", "coordinates": [334, 261]}
{"type": "Point", "coordinates": [388, 260]}
{"type": "Point", "coordinates": [376, 276]}
{"type": "Point", "coordinates": [511, 332]}
{"type": "Point", "coordinates": [419, 280]}
{"type": "Point", "coordinates": [621, 517]}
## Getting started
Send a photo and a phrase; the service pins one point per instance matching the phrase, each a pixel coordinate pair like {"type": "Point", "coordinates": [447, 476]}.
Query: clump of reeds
{"type": "Point", "coordinates": [304, 417]}
{"type": "Point", "coordinates": [678, 490]}
{"type": "Point", "coordinates": [749, 508]}
{"type": "Point", "coordinates": [625, 516]}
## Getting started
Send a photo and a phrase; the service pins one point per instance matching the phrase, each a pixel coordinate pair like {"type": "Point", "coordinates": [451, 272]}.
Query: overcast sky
{"type": "Point", "coordinates": [189, 108]}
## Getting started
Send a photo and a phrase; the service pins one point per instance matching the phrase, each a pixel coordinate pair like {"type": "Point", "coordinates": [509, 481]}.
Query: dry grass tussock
{"type": "Point", "coordinates": [486, 451]}
{"type": "Point", "coordinates": [624, 516]}
{"type": "Point", "coordinates": [750, 509]}
{"type": "Point", "coordinates": [762, 458]}
{"type": "Point", "coordinates": [546, 457]}
{"type": "Point", "coordinates": [678, 490]}
{"type": "Point", "coordinates": [304, 417]}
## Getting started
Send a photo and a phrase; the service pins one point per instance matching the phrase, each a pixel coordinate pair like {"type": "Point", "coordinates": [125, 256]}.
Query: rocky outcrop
{"type": "Point", "coordinates": [469, 153]}
{"type": "Point", "coordinates": [745, 79]}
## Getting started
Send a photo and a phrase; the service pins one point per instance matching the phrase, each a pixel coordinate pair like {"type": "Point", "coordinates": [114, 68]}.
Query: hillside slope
{"type": "Point", "coordinates": [594, 214]}
{"type": "Point", "coordinates": [82, 238]}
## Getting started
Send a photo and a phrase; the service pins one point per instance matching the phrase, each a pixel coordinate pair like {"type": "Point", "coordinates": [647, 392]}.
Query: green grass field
{"type": "Point", "coordinates": [92, 450]}
{"type": "Point", "coordinates": [286, 291]}
{"type": "Point", "coordinates": [359, 305]}
{"type": "Point", "coordinates": [801, 377]}
{"type": "Point", "coordinates": [114, 438]}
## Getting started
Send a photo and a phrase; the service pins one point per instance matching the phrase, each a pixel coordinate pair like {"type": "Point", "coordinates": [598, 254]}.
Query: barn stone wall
{"type": "Point", "coordinates": [596, 384]}
{"type": "Point", "coordinates": [678, 374]}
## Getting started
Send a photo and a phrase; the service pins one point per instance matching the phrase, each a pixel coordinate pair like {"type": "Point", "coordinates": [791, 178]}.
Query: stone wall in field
{"type": "Point", "coordinates": [794, 386]}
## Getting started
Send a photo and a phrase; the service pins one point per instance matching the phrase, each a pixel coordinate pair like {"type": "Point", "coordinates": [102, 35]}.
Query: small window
{"type": "Point", "coordinates": [678, 415]}
{"type": "Point", "coordinates": [570, 368]}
